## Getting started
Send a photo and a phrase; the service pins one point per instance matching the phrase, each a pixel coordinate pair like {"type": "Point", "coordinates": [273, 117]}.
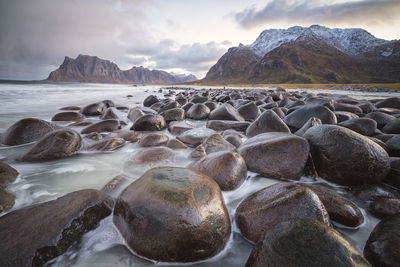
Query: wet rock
{"type": "Point", "coordinates": [195, 136]}
{"type": "Point", "coordinates": [168, 106]}
{"type": "Point", "coordinates": [110, 113]}
{"type": "Point", "coordinates": [7, 201]}
{"type": "Point", "coordinates": [382, 247]}
{"type": "Point", "coordinates": [137, 112]}
{"type": "Point", "coordinates": [225, 112]}
{"type": "Point", "coordinates": [94, 109]}
{"type": "Point", "coordinates": [392, 127]}
{"type": "Point", "coordinates": [347, 107]}
{"type": "Point", "coordinates": [70, 108]}
{"type": "Point", "coordinates": [268, 121]}
{"type": "Point", "coordinates": [130, 136]}
{"type": "Point", "coordinates": [68, 116]}
{"type": "Point", "coordinates": [173, 215]}
{"type": "Point", "coordinates": [211, 105]}
{"type": "Point", "coordinates": [94, 136]}
{"type": "Point", "coordinates": [153, 139]}
{"type": "Point", "coordinates": [107, 144]}
{"type": "Point", "coordinates": [345, 157]}
{"type": "Point", "coordinates": [175, 114]}
{"type": "Point", "coordinates": [367, 107]}
{"type": "Point", "coordinates": [364, 126]}
{"type": "Point", "coordinates": [339, 208]}
{"type": "Point", "coordinates": [299, 117]}
{"type": "Point", "coordinates": [55, 145]}
{"type": "Point", "coordinates": [249, 111]}
{"type": "Point", "coordinates": [149, 156]}
{"type": "Point", "coordinates": [393, 177]}
{"type": "Point", "coordinates": [33, 235]}
{"type": "Point", "coordinates": [391, 102]}
{"type": "Point", "coordinates": [102, 126]}
{"type": "Point", "coordinates": [213, 143]}
{"type": "Point", "coordinates": [304, 242]}
{"type": "Point", "coordinates": [310, 123]}
{"type": "Point", "coordinates": [114, 184]}
{"type": "Point", "coordinates": [150, 100]}
{"type": "Point", "coordinates": [26, 131]}
{"type": "Point", "coordinates": [364, 195]}
{"type": "Point", "coordinates": [385, 207]}
{"type": "Point", "coordinates": [149, 122]}
{"type": "Point", "coordinates": [227, 168]}
{"type": "Point", "coordinates": [381, 118]}
{"type": "Point", "coordinates": [275, 204]}
{"type": "Point", "coordinates": [179, 127]}
{"type": "Point", "coordinates": [276, 155]}
{"type": "Point", "coordinates": [187, 106]}
{"type": "Point", "coordinates": [198, 112]}
{"type": "Point", "coordinates": [199, 99]}
{"type": "Point", "coordinates": [235, 140]}
{"type": "Point", "coordinates": [7, 174]}
{"type": "Point", "coordinates": [176, 144]}
{"type": "Point", "coordinates": [320, 101]}
{"type": "Point", "coordinates": [222, 125]}
{"type": "Point", "coordinates": [342, 116]}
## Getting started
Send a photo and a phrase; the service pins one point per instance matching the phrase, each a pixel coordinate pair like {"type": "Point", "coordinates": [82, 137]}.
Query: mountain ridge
{"type": "Point", "coordinates": [85, 68]}
{"type": "Point", "coordinates": [341, 56]}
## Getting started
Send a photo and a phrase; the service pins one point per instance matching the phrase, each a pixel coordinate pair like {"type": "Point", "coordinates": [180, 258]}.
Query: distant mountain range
{"type": "Point", "coordinates": [315, 54]}
{"type": "Point", "coordinates": [93, 69]}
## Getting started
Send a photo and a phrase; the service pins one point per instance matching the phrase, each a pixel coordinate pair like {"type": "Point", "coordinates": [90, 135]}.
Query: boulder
{"type": "Point", "coordinates": [173, 214]}
{"type": "Point", "coordinates": [149, 122]}
{"type": "Point", "coordinates": [385, 207]}
{"type": "Point", "coordinates": [381, 118]}
{"type": "Point", "coordinates": [391, 102]}
{"type": "Point", "coordinates": [393, 145]}
{"type": "Point", "coordinates": [175, 144]}
{"type": "Point", "coordinates": [310, 123]}
{"type": "Point", "coordinates": [345, 157]}
{"type": "Point", "coordinates": [175, 114]}
{"type": "Point", "coordinates": [393, 177]}
{"type": "Point", "coordinates": [179, 127]}
{"type": "Point", "coordinates": [347, 107]}
{"type": "Point", "coordinates": [275, 204]}
{"type": "Point", "coordinates": [68, 116]}
{"type": "Point", "coordinates": [94, 109]}
{"type": "Point", "coordinates": [392, 127]}
{"type": "Point", "coordinates": [342, 116]}
{"type": "Point", "coordinates": [26, 131]}
{"type": "Point", "coordinates": [70, 108]}
{"type": "Point", "coordinates": [153, 139]}
{"type": "Point", "coordinates": [249, 111]}
{"type": "Point", "coordinates": [137, 112]}
{"type": "Point", "coordinates": [129, 136]}
{"type": "Point", "coordinates": [110, 113]}
{"type": "Point", "coordinates": [107, 144]}
{"type": "Point", "coordinates": [382, 247]}
{"type": "Point", "coordinates": [149, 156]}
{"type": "Point", "coordinates": [150, 100]}
{"type": "Point", "coordinates": [276, 155]}
{"type": "Point", "coordinates": [213, 143]}
{"type": "Point", "coordinates": [102, 126]}
{"type": "Point", "coordinates": [304, 242]}
{"type": "Point", "coordinates": [299, 117]}
{"type": "Point", "coordinates": [225, 112]}
{"type": "Point", "coordinates": [268, 121]}
{"type": "Point", "coordinates": [33, 235]}
{"type": "Point", "coordinates": [222, 125]}
{"type": "Point", "coordinates": [7, 174]}
{"type": "Point", "coordinates": [195, 136]}
{"type": "Point", "coordinates": [198, 112]}
{"type": "Point", "coordinates": [55, 145]}
{"type": "Point", "coordinates": [227, 168]}
{"type": "Point", "coordinates": [364, 126]}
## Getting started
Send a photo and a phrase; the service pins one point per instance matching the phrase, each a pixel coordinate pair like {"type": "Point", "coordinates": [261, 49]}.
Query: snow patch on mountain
{"type": "Point", "coordinates": [352, 41]}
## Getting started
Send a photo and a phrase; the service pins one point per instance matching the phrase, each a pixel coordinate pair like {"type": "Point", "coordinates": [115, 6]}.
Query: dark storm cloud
{"type": "Point", "coordinates": [367, 11]}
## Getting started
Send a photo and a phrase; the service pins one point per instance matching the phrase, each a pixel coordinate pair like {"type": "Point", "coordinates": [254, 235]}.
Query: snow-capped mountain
{"type": "Point", "coordinates": [371, 59]}
{"type": "Point", "coordinates": [353, 41]}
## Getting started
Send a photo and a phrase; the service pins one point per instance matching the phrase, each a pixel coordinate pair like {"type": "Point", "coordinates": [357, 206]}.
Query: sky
{"type": "Point", "coordinates": [181, 36]}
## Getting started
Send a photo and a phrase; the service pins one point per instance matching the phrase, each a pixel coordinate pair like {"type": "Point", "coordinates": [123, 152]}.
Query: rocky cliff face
{"type": "Point", "coordinates": [93, 69]}
{"type": "Point", "coordinates": [310, 55]}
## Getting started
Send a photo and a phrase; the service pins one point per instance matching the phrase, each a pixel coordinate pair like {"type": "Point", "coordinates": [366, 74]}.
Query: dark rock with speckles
{"type": "Point", "coordinates": [149, 122]}
{"type": "Point", "coordinates": [173, 214]}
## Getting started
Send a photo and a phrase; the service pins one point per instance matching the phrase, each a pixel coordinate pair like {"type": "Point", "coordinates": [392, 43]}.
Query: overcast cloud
{"type": "Point", "coordinates": [317, 12]}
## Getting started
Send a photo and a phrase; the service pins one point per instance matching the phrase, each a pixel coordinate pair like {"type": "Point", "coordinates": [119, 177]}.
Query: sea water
{"type": "Point", "coordinates": [44, 181]}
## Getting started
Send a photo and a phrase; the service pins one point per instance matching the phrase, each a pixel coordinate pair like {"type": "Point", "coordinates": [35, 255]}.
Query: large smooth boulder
{"type": "Point", "coordinates": [198, 112]}
{"type": "Point", "coordinates": [222, 125]}
{"type": "Point", "coordinates": [227, 168]}
{"type": "Point", "coordinates": [68, 116]}
{"type": "Point", "coordinates": [364, 126]}
{"type": "Point", "coordinates": [149, 156]}
{"type": "Point", "coordinates": [55, 145]}
{"type": "Point", "coordinates": [276, 155]}
{"type": "Point", "coordinates": [149, 122]}
{"type": "Point", "coordinates": [195, 136]}
{"type": "Point", "coordinates": [109, 144]}
{"type": "Point", "coordinates": [178, 127]}
{"type": "Point", "coordinates": [174, 114]}
{"type": "Point", "coordinates": [137, 112]}
{"type": "Point", "coordinates": [150, 100]}
{"type": "Point", "coordinates": [249, 111]}
{"type": "Point", "coordinates": [304, 242]}
{"type": "Point", "coordinates": [268, 121]}
{"type": "Point", "coordinates": [26, 131]}
{"type": "Point", "coordinates": [381, 118]}
{"type": "Point", "coordinates": [275, 204]}
{"type": "Point", "coordinates": [213, 143]}
{"type": "Point", "coordinates": [310, 123]}
{"type": "Point", "coordinates": [102, 126]}
{"type": "Point", "coordinates": [391, 102]}
{"type": "Point", "coordinates": [153, 139]}
{"type": "Point", "coordinates": [392, 127]}
{"type": "Point", "coordinates": [299, 117]}
{"type": "Point", "coordinates": [7, 174]}
{"type": "Point", "coordinates": [225, 112]}
{"type": "Point", "coordinates": [33, 235]}
{"type": "Point", "coordinates": [110, 113]}
{"type": "Point", "coordinates": [173, 214]}
{"type": "Point", "coordinates": [345, 157]}
{"type": "Point", "coordinates": [385, 207]}
{"type": "Point", "coordinates": [382, 247]}
{"type": "Point", "coordinates": [94, 109]}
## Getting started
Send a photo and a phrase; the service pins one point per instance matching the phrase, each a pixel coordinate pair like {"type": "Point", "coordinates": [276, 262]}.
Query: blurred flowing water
{"type": "Point", "coordinates": [40, 182]}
